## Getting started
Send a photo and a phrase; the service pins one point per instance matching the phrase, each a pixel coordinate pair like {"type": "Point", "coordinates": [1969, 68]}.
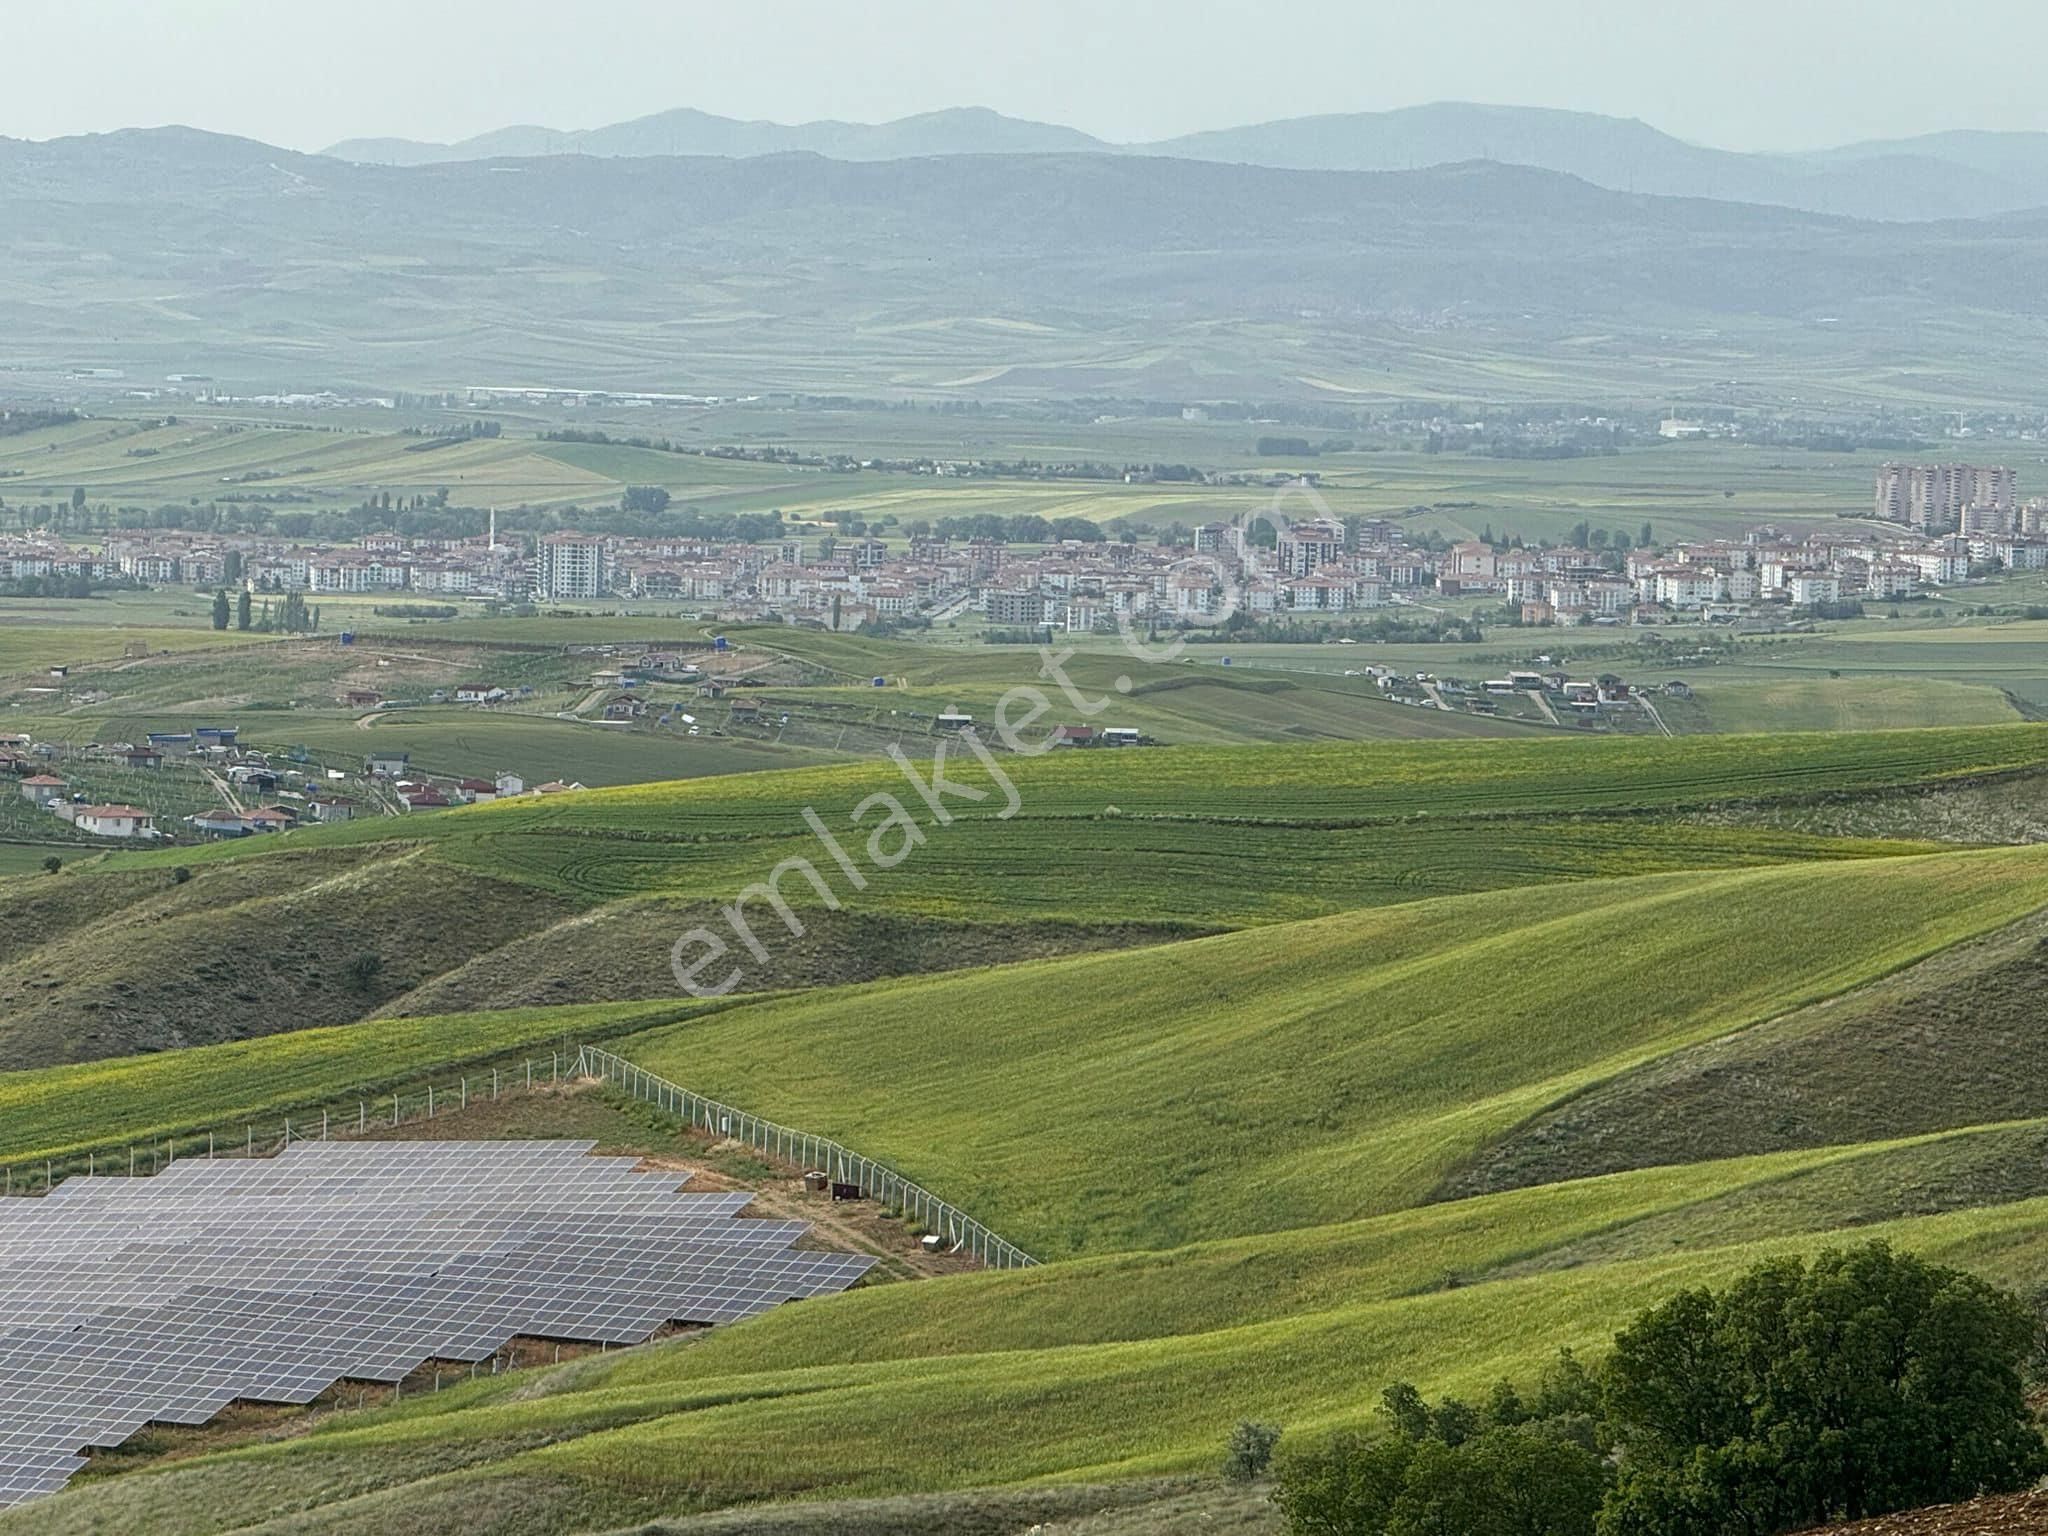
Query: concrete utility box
{"type": "Point", "coordinates": [931, 1242]}
{"type": "Point", "coordinates": [817, 1183]}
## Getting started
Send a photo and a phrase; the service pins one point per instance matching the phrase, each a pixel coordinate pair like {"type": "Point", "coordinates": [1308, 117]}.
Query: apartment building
{"type": "Point", "coordinates": [569, 565]}
{"type": "Point", "coordinates": [1302, 547]}
{"type": "Point", "coordinates": [1934, 497]}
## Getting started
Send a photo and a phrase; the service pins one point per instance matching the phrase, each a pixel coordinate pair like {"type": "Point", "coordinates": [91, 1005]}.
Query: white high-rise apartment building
{"type": "Point", "coordinates": [569, 565]}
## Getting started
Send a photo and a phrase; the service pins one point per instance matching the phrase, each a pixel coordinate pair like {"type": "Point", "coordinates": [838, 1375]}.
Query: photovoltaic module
{"type": "Point", "coordinates": [126, 1302]}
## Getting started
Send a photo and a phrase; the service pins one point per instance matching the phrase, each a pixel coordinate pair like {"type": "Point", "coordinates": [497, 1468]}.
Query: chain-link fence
{"type": "Point", "coordinates": [324, 1120]}
{"type": "Point", "coordinates": [362, 1114]}
{"type": "Point", "coordinates": [841, 1165]}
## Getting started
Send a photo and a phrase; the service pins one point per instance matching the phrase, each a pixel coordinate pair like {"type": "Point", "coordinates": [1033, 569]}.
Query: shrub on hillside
{"type": "Point", "coordinates": [362, 970]}
{"type": "Point", "coordinates": [1525, 1479]}
{"type": "Point", "coordinates": [1250, 1451]}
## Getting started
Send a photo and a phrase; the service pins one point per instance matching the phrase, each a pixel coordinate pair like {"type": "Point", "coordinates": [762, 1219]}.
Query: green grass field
{"type": "Point", "coordinates": [1684, 490]}
{"type": "Point", "coordinates": [1510, 1039]}
{"type": "Point", "coordinates": [1299, 1074]}
{"type": "Point", "coordinates": [1201, 834]}
{"type": "Point", "coordinates": [61, 1112]}
{"type": "Point", "coordinates": [1109, 849]}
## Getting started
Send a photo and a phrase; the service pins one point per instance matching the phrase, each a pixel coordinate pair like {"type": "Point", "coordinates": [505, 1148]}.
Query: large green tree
{"type": "Point", "coordinates": [1868, 1382]}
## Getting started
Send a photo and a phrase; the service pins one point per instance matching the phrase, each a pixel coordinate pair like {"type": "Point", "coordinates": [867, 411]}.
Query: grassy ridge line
{"type": "Point", "coordinates": [764, 1411]}
{"type": "Point", "coordinates": [1333, 783]}
{"type": "Point", "coordinates": [1330, 784]}
{"type": "Point", "coordinates": [1186, 872]}
{"type": "Point", "coordinates": [56, 1112]}
{"type": "Point", "coordinates": [1314, 1071]}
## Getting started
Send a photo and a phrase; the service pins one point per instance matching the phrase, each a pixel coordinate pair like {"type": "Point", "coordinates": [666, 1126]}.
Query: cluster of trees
{"type": "Point", "coordinates": [292, 616]}
{"type": "Point", "coordinates": [17, 419]}
{"type": "Point", "coordinates": [691, 522]}
{"type": "Point", "coordinates": [1019, 528]}
{"type": "Point", "coordinates": [1846, 608]}
{"type": "Point", "coordinates": [1300, 447]}
{"type": "Point", "coordinates": [1586, 536]}
{"type": "Point", "coordinates": [461, 432]}
{"type": "Point", "coordinates": [582, 435]}
{"type": "Point", "coordinates": [66, 586]}
{"type": "Point", "coordinates": [1507, 1469]}
{"type": "Point", "coordinates": [1868, 1382]}
{"type": "Point", "coordinates": [1241, 627]}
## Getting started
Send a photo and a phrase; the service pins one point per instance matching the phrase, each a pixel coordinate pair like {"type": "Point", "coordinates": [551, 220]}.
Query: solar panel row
{"type": "Point", "coordinates": [130, 1301]}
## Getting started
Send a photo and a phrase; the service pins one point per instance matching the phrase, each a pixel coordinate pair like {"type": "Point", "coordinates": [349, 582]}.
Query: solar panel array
{"type": "Point", "coordinates": [125, 1302]}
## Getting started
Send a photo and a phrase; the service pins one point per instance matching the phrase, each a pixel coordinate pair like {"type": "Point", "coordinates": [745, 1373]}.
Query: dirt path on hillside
{"type": "Point", "coordinates": [840, 1225]}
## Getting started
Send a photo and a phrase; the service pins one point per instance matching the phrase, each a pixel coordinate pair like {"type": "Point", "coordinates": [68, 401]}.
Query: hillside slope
{"type": "Point", "coordinates": [1315, 1071]}
{"type": "Point", "coordinates": [1237, 1152]}
{"type": "Point", "coordinates": [580, 897]}
{"type": "Point", "coordinates": [1051, 1373]}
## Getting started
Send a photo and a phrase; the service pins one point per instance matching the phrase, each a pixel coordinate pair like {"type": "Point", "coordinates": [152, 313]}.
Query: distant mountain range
{"type": "Point", "coordinates": [1035, 274]}
{"type": "Point", "coordinates": [1936, 176]}
{"type": "Point", "coordinates": [685, 131]}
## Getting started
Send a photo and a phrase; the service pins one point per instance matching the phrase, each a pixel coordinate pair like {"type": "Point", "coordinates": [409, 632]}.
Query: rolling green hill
{"type": "Point", "coordinates": [1308, 1072]}
{"type": "Point", "coordinates": [1303, 1068]}
{"type": "Point", "coordinates": [579, 897]}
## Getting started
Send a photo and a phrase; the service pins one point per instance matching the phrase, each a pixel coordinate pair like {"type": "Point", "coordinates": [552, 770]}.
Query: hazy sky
{"type": "Point", "coordinates": [1744, 74]}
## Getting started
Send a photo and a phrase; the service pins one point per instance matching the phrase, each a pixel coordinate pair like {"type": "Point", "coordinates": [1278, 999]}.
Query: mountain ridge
{"type": "Point", "coordinates": [1151, 276]}
{"type": "Point", "coordinates": [1960, 174]}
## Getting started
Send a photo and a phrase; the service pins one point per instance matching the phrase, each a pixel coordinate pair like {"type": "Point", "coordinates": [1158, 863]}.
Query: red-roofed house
{"type": "Point", "coordinates": [115, 821]}
{"type": "Point", "coordinates": [42, 788]}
